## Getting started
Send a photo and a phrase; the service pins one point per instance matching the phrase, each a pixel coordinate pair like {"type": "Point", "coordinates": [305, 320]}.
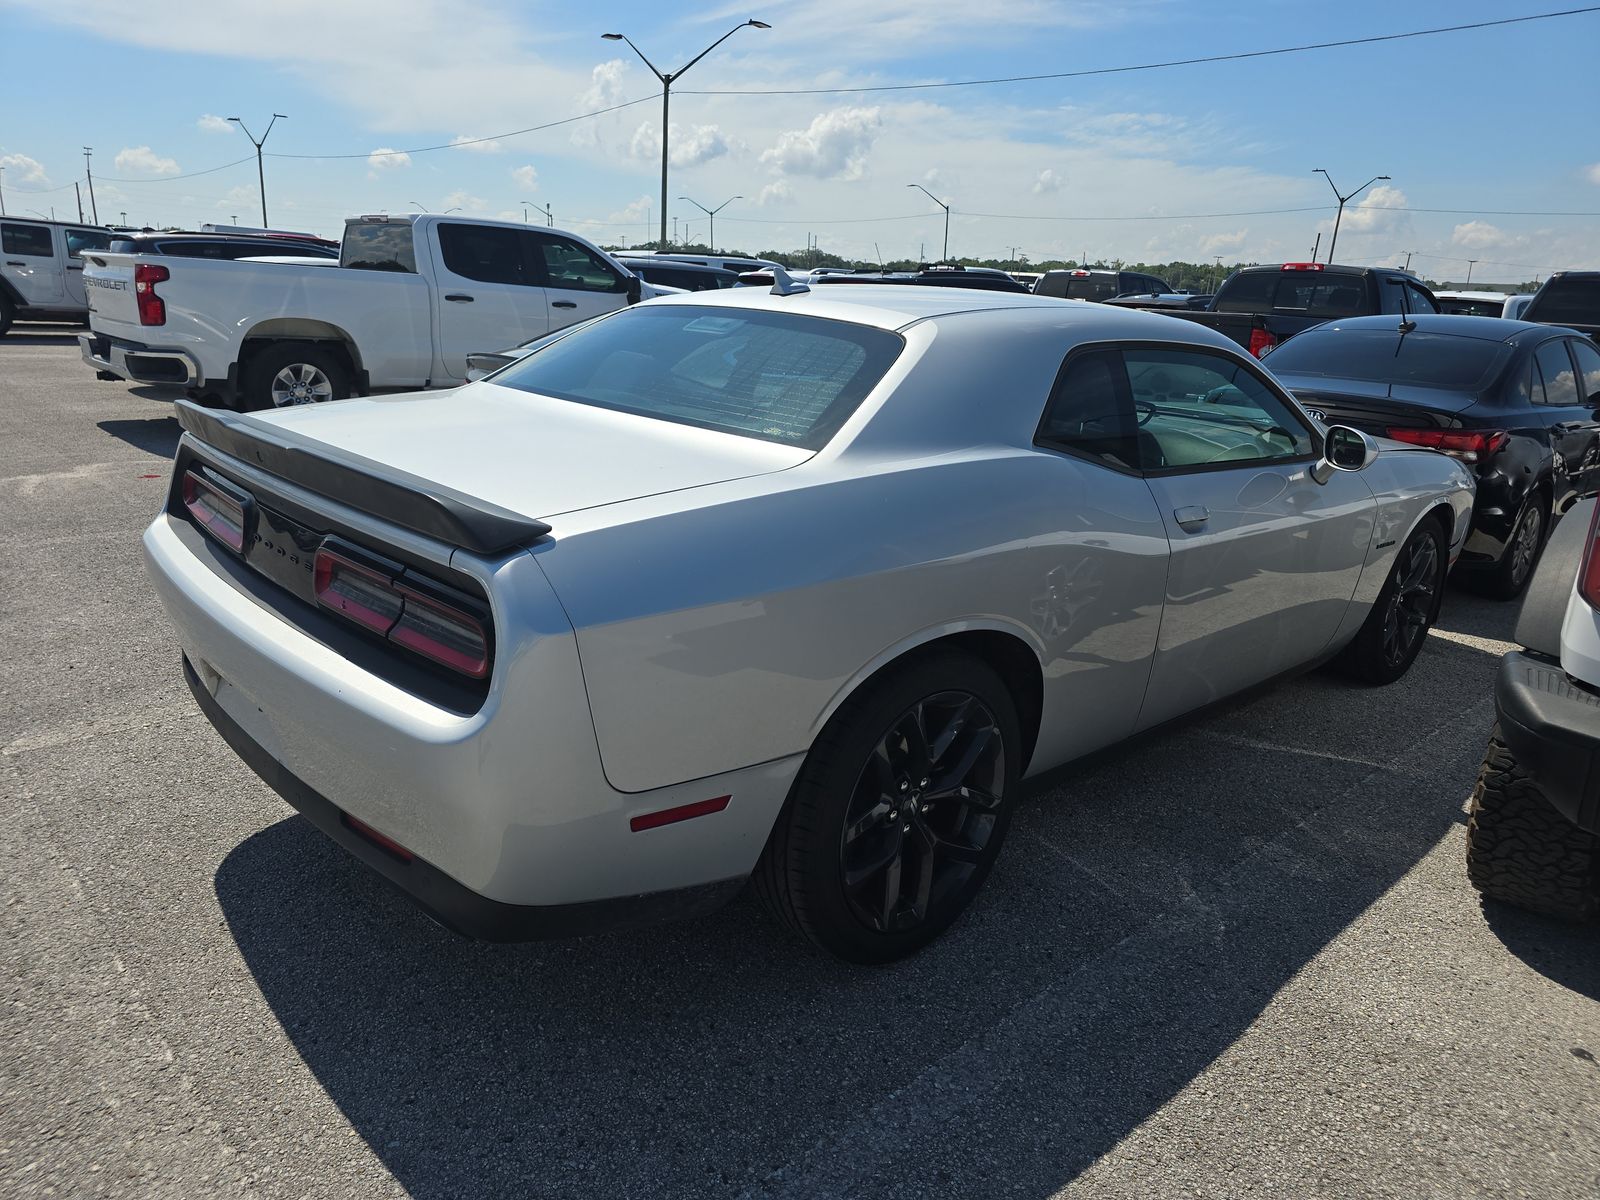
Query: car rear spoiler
{"type": "Point", "coordinates": [409, 501]}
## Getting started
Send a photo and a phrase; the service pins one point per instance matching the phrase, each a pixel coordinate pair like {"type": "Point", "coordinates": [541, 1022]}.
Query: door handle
{"type": "Point", "coordinates": [459, 297]}
{"type": "Point", "coordinates": [11, 262]}
{"type": "Point", "coordinates": [74, 268]}
{"type": "Point", "coordinates": [563, 304]}
{"type": "Point", "coordinates": [1191, 517]}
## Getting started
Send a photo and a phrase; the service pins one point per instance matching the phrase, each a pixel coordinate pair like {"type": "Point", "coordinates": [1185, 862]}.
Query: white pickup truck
{"type": "Point", "coordinates": [410, 298]}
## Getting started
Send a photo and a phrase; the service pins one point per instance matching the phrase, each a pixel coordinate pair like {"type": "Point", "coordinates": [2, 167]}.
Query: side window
{"type": "Point", "coordinates": [1589, 367]}
{"type": "Point", "coordinates": [482, 252]}
{"type": "Point", "coordinates": [1248, 292]}
{"type": "Point", "coordinates": [1418, 301]}
{"type": "Point", "coordinates": [1196, 409]}
{"type": "Point", "coordinates": [1088, 412]}
{"type": "Point", "coordinates": [79, 240]}
{"type": "Point", "coordinates": [30, 241]}
{"type": "Point", "coordinates": [1392, 296]}
{"type": "Point", "coordinates": [576, 267]}
{"type": "Point", "coordinates": [1560, 381]}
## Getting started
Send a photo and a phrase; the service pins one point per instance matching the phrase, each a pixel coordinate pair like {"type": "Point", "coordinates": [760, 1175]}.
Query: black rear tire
{"type": "Point", "coordinates": [1521, 851]}
{"type": "Point", "coordinates": [1405, 610]}
{"type": "Point", "coordinates": [1511, 574]}
{"type": "Point", "coordinates": [821, 838]}
{"type": "Point", "coordinates": [316, 361]}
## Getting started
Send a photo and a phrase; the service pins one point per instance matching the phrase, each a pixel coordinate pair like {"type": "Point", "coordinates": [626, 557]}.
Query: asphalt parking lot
{"type": "Point", "coordinates": [1240, 958]}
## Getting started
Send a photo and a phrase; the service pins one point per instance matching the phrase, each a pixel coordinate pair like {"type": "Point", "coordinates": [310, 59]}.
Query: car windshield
{"type": "Point", "coordinates": [775, 376]}
{"type": "Point", "coordinates": [1438, 360]}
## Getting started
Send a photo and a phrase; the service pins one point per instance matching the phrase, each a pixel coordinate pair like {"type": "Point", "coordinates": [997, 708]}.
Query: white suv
{"type": "Point", "coordinates": [41, 269]}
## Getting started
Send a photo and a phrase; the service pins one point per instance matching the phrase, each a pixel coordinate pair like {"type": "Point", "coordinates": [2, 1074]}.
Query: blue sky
{"type": "Point", "coordinates": [1487, 122]}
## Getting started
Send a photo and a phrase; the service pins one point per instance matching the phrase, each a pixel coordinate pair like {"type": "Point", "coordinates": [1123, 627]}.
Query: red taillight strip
{"type": "Point", "coordinates": [1463, 443]}
{"type": "Point", "coordinates": [381, 841]}
{"type": "Point", "coordinates": [371, 602]}
{"type": "Point", "coordinates": [412, 631]}
{"type": "Point", "coordinates": [1589, 573]}
{"type": "Point", "coordinates": [218, 513]}
{"type": "Point", "coordinates": [667, 816]}
{"type": "Point", "coordinates": [152, 308]}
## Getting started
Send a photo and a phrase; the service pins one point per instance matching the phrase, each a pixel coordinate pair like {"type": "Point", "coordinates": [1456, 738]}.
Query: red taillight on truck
{"type": "Point", "coordinates": [1469, 445]}
{"type": "Point", "coordinates": [218, 513]}
{"type": "Point", "coordinates": [1589, 573]}
{"type": "Point", "coordinates": [422, 622]}
{"type": "Point", "coordinates": [1260, 342]}
{"type": "Point", "coordinates": [152, 308]}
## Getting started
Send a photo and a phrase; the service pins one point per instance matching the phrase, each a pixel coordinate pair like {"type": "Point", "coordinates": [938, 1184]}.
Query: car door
{"type": "Point", "coordinates": [1569, 369]}
{"type": "Point", "coordinates": [581, 284]}
{"type": "Point", "coordinates": [76, 241]}
{"type": "Point", "coordinates": [29, 264]}
{"type": "Point", "coordinates": [1264, 558]}
{"type": "Point", "coordinates": [488, 295]}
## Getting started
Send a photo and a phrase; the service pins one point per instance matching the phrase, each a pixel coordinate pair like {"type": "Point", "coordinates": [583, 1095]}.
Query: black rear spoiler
{"type": "Point", "coordinates": [409, 501]}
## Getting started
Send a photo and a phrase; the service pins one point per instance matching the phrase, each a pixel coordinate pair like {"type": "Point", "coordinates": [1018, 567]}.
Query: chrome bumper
{"type": "Point", "coordinates": [171, 368]}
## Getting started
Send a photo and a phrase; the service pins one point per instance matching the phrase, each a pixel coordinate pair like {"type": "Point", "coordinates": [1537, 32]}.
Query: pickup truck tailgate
{"type": "Point", "coordinates": [113, 304]}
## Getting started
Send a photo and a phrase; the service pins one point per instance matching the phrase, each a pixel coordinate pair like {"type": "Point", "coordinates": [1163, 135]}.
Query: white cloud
{"type": "Point", "coordinates": [605, 86]}
{"type": "Point", "coordinates": [776, 192]}
{"type": "Point", "coordinates": [241, 197]}
{"type": "Point", "coordinates": [465, 201]}
{"type": "Point", "coordinates": [475, 144]}
{"type": "Point", "coordinates": [141, 160]}
{"type": "Point", "coordinates": [1045, 182]}
{"type": "Point", "coordinates": [386, 158]}
{"type": "Point", "coordinates": [693, 148]}
{"type": "Point", "coordinates": [526, 178]}
{"type": "Point", "coordinates": [1224, 243]}
{"type": "Point", "coordinates": [833, 146]}
{"type": "Point", "coordinates": [214, 124]}
{"type": "Point", "coordinates": [1592, 172]}
{"type": "Point", "coordinates": [639, 210]}
{"type": "Point", "coordinates": [25, 169]}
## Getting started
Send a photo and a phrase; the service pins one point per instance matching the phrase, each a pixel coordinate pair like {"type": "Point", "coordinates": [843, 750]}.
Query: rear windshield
{"type": "Point", "coordinates": [774, 376]}
{"type": "Point", "coordinates": [379, 246]}
{"type": "Point", "coordinates": [1570, 301]}
{"type": "Point", "coordinates": [1463, 307]}
{"type": "Point", "coordinates": [1387, 356]}
{"type": "Point", "coordinates": [1312, 293]}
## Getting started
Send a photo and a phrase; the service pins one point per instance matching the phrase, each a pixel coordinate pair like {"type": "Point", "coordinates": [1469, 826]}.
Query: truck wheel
{"type": "Point", "coordinates": [1394, 632]}
{"type": "Point", "coordinates": [1521, 851]}
{"type": "Point", "coordinates": [290, 373]}
{"type": "Point", "coordinates": [898, 813]}
{"type": "Point", "coordinates": [1516, 565]}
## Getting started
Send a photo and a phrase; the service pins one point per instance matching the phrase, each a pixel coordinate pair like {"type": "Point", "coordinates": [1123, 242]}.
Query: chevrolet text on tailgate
{"type": "Point", "coordinates": [790, 586]}
{"type": "Point", "coordinates": [410, 299]}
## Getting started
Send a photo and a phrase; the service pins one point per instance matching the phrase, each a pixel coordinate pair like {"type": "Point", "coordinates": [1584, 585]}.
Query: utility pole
{"type": "Point", "coordinates": [261, 176]}
{"type": "Point", "coordinates": [2, 191]}
{"type": "Point", "coordinates": [1217, 274]}
{"type": "Point", "coordinates": [1342, 199]}
{"type": "Point", "coordinates": [712, 214]}
{"type": "Point", "coordinates": [124, 218]}
{"type": "Point", "coordinates": [1316, 245]}
{"type": "Point", "coordinates": [946, 208]}
{"type": "Point", "coordinates": [1409, 253]}
{"type": "Point", "coordinates": [1013, 259]}
{"type": "Point", "coordinates": [548, 218]}
{"type": "Point", "coordinates": [79, 195]}
{"type": "Point", "coordinates": [667, 81]}
{"type": "Point", "coordinates": [1470, 263]}
{"type": "Point", "coordinates": [95, 212]}
{"type": "Point", "coordinates": [674, 226]}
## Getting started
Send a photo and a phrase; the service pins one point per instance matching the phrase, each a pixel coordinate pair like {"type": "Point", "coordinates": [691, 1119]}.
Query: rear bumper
{"type": "Point", "coordinates": [1553, 727]}
{"type": "Point", "coordinates": [140, 364]}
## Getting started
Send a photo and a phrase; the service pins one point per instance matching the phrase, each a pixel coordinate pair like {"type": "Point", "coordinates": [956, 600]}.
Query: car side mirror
{"type": "Point", "coordinates": [1344, 449]}
{"type": "Point", "coordinates": [635, 289]}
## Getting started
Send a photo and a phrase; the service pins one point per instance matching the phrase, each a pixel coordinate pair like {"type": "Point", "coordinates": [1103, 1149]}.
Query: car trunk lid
{"type": "Point", "coordinates": [1376, 408]}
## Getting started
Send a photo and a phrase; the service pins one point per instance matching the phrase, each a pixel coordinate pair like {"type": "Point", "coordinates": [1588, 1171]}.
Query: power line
{"type": "Point", "coordinates": [1177, 62]}
{"type": "Point", "coordinates": [154, 179]}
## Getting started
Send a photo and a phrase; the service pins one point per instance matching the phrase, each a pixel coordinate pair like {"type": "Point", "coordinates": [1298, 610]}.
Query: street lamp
{"type": "Point", "coordinates": [1470, 263]}
{"type": "Point", "coordinates": [1342, 199]}
{"type": "Point", "coordinates": [666, 96]}
{"type": "Point", "coordinates": [527, 204]}
{"type": "Point", "coordinates": [946, 207]}
{"type": "Point", "coordinates": [420, 205]}
{"type": "Point", "coordinates": [261, 177]}
{"type": "Point", "coordinates": [712, 213]}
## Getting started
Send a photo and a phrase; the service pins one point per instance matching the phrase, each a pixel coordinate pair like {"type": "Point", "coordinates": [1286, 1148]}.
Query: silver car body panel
{"type": "Point", "coordinates": [706, 602]}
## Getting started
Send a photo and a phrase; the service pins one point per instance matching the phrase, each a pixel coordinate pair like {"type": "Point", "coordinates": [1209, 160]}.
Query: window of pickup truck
{"type": "Point", "coordinates": [378, 246]}
{"type": "Point", "coordinates": [1307, 293]}
{"type": "Point", "coordinates": [33, 241]}
{"type": "Point", "coordinates": [487, 253]}
{"type": "Point", "coordinates": [1570, 300]}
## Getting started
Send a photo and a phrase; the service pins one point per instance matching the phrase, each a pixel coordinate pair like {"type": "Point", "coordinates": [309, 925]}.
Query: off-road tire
{"type": "Point", "coordinates": [255, 391]}
{"type": "Point", "coordinates": [1521, 851]}
{"type": "Point", "coordinates": [798, 877]}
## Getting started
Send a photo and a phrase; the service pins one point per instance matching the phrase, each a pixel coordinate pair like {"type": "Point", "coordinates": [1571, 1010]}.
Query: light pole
{"type": "Point", "coordinates": [712, 213]}
{"type": "Point", "coordinates": [261, 177]}
{"type": "Point", "coordinates": [527, 204]}
{"type": "Point", "coordinates": [1335, 241]}
{"type": "Point", "coordinates": [666, 96]}
{"type": "Point", "coordinates": [424, 207]}
{"type": "Point", "coordinates": [1409, 253]}
{"type": "Point", "coordinates": [1470, 263]}
{"type": "Point", "coordinates": [1217, 273]}
{"type": "Point", "coordinates": [946, 207]}
{"type": "Point", "coordinates": [93, 211]}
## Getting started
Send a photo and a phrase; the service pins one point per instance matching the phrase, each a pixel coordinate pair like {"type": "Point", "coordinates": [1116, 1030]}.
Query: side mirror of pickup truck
{"type": "Point", "coordinates": [635, 289]}
{"type": "Point", "coordinates": [1344, 449]}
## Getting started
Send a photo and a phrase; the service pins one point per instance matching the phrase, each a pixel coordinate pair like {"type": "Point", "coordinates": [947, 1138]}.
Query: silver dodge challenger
{"type": "Point", "coordinates": [785, 586]}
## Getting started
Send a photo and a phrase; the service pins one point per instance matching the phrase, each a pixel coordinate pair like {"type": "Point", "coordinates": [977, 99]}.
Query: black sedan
{"type": "Point", "coordinates": [1518, 402]}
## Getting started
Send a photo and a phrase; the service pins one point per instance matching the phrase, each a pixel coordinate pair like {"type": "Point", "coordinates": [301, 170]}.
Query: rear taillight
{"type": "Point", "coordinates": [215, 511]}
{"type": "Point", "coordinates": [1302, 266]}
{"type": "Point", "coordinates": [424, 623]}
{"type": "Point", "coordinates": [152, 308]}
{"type": "Point", "coordinates": [1589, 573]}
{"type": "Point", "coordinates": [1260, 342]}
{"type": "Point", "coordinates": [1469, 445]}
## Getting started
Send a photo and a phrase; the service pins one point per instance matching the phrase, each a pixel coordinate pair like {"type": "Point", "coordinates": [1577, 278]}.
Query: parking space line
{"type": "Point", "coordinates": [1251, 743]}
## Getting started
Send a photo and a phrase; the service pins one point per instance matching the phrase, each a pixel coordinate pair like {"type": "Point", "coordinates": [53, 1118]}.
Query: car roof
{"type": "Point", "coordinates": [896, 306]}
{"type": "Point", "coordinates": [1488, 329]}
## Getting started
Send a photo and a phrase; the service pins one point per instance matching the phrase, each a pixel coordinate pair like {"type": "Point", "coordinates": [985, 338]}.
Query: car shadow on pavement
{"type": "Point", "coordinates": [1564, 952]}
{"type": "Point", "coordinates": [153, 435]}
{"type": "Point", "coordinates": [1132, 932]}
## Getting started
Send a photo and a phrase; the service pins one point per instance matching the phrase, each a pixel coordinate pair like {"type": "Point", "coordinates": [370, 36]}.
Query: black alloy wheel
{"type": "Point", "coordinates": [922, 811]}
{"type": "Point", "coordinates": [899, 810]}
{"type": "Point", "coordinates": [1523, 551]}
{"type": "Point", "coordinates": [1412, 602]}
